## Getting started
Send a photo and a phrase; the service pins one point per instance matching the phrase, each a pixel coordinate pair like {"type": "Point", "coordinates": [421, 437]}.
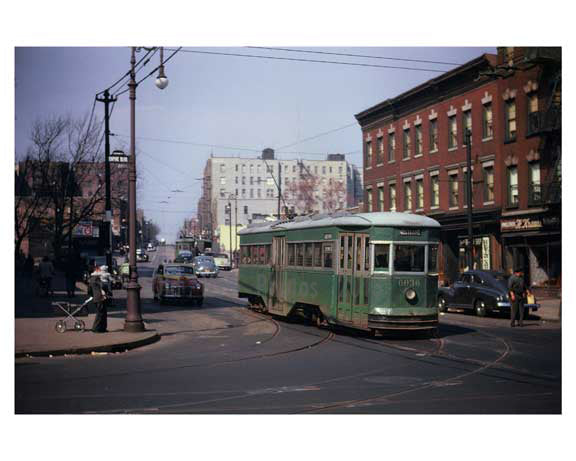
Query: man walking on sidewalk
{"type": "Point", "coordinates": [99, 298]}
{"type": "Point", "coordinates": [517, 292]}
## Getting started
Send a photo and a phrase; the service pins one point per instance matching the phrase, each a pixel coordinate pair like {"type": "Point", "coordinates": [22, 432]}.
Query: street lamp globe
{"type": "Point", "coordinates": [161, 82]}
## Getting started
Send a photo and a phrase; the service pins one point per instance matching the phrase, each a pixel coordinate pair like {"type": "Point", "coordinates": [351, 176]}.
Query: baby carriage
{"type": "Point", "coordinates": [71, 310]}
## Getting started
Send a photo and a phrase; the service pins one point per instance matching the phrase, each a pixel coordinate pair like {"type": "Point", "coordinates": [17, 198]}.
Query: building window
{"type": "Point", "coordinates": [379, 153]}
{"type": "Point", "coordinates": [489, 183]}
{"type": "Point", "coordinates": [418, 139]}
{"type": "Point", "coordinates": [452, 132]}
{"type": "Point", "coordinates": [243, 180]}
{"type": "Point", "coordinates": [510, 121]}
{"type": "Point", "coordinates": [222, 193]}
{"type": "Point", "coordinates": [407, 196]}
{"type": "Point", "coordinates": [419, 194]}
{"type": "Point", "coordinates": [406, 143]}
{"type": "Point", "coordinates": [391, 146]}
{"type": "Point", "coordinates": [453, 189]}
{"type": "Point", "coordinates": [222, 168]}
{"type": "Point", "coordinates": [251, 193]}
{"type": "Point", "coordinates": [368, 156]}
{"type": "Point", "coordinates": [466, 125]}
{"type": "Point", "coordinates": [236, 167]}
{"type": "Point", "coordinates": [223, 181]}
{"type": "Point", "coordinates": [487, 127]}
{"type": "Point", "coordinates": [245, 210]}
{"type": "Point", "coordinates": [259, 193]}
{"type": "Point", "coordinates": [381, 198]}
{"type": "Point", "coordinates": [434, 192]}
{"type": "Point", "coordinates": [251, 180]}
{"type": "Point", "coordinates": [533, 115]}
{"type": "Point", "coordinates": [512, 181]}
{"type": "Point", "coordinates": [369, 200]}
{"type": "Point", "coordinates": [534, 187]}
{"type": "Point", "coordinates": [392, 197]}
{"type": "Point", "coordinates": [433, 135]}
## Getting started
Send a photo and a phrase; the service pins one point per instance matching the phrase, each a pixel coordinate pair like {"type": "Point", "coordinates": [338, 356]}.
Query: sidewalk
{"type": "Point", "coordinates": [550, 310]}
{"type": "Point", "coordinates": [35, 320]}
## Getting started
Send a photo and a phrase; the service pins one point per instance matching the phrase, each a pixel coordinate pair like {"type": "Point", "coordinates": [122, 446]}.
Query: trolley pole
{"type": "Point", "coordinates": [469, 198]}
{"type": "Point", "coordinates": [230, 224]}
{"type": "Point", "coordinates": [107, 99]}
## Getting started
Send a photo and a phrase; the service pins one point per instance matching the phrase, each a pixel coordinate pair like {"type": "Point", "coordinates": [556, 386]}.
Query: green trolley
{"type": "Point", "coordinates": [371, 271]}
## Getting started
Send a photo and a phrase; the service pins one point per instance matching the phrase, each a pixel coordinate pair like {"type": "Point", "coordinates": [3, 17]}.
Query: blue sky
{"type": "Point", "coordinates": [221, 105]}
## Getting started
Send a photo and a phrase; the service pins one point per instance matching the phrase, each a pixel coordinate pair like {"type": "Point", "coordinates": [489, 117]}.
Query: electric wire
{"type": "Point", "coordinates": [294, 50]}
{"type": "Point", "coordinates": [358, 64]}
{"type": "Point", "coordinates": [317, 136]}
{"type": "Point", "coordinates": [127, 74]}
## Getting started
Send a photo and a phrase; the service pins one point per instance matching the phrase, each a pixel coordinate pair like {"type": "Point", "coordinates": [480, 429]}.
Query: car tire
{"type": "Point", "coordinates": [480, 308]}
{"type": "Point", "coordinates": [442, 304]}
{"type": "Point", "coordinates": [199, 302]}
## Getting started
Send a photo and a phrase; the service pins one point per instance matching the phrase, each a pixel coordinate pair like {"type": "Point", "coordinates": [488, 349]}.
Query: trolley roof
{"type": "Point", "coordinates": [385, 219]}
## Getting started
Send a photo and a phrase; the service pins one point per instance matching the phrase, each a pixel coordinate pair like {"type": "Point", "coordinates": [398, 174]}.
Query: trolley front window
{"type": "Point", "coordinates": [409, 258]}
{"type": "Point", "coordinates": [433, 259]}
{"type": "Point", "coordinates": [381, 257]}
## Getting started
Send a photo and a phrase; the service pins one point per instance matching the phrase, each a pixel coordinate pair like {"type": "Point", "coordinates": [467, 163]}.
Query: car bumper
{"type": "Point", "coordinates": [200, 273]}
{"type": "Point", "coordinates": [181, 292]}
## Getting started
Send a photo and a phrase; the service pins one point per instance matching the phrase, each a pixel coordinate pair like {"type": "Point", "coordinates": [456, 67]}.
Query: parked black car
{"type": "Point", "coordinates": [481, 291]}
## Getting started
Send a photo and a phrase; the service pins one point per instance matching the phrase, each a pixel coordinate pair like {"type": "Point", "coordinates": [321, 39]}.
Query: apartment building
{"type": "Point", "coordinates": [415, 160]}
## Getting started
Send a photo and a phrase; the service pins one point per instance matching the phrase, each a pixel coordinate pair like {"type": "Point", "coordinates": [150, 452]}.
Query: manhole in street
{"type": "Point", "coordinates": [392, 380]}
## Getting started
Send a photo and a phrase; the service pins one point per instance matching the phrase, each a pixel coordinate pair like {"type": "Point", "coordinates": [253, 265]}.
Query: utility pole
{"type": "Point", "coordinates": [235, 225]}
{"type": "Point", "coordinates": [230, 225]}
{"type": "Point", "coordinates": [469, 197]}
{"type": "Point", "coordinates": [107, 99]}
{"type": "Point", "coordinates": [279, 187]}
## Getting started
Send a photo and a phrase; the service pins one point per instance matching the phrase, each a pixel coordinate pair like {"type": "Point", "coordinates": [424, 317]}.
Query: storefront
{"type": "Point", "coordinates": [534, 243]}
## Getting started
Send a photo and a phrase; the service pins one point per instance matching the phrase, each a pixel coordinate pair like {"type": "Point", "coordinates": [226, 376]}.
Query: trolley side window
{"type": "Point", "coordinates": [327, 255]}
{"type": "Point", "coordinates": [299, 254]}
{"type": "Point", "coordinates": [342, 241]}
{"type": "Point", "coordinates": [433, 259]}
{"type": "Point", "coordinates": [409, 258]}
{"type": "Point", "coordinates": [308, 254]}
{"type": "Point", "coordinates": [382, 257]}
{"type": "Point", "coordinates": [291, 254]}
{"type": "Point", "coordinates": [317, 254]}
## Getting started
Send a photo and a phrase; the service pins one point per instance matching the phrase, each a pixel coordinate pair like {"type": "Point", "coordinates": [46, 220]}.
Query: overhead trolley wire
{"type": "Point", "coordinates": [294, 50]}
{"type": "Point", "coordinates": [220, 53]}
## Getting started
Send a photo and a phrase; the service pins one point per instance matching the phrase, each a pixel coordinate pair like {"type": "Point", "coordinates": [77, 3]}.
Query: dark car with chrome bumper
{"type": "Point", "coordinates": [482, 292]}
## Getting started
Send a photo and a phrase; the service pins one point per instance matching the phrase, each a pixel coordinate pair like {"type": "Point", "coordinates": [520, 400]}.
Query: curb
{"type": "Point", "coordinates": [119, 347]}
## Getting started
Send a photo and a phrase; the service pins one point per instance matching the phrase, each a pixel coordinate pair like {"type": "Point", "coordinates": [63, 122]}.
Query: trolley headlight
{"type": "Point", "coordinates": [410, 294]}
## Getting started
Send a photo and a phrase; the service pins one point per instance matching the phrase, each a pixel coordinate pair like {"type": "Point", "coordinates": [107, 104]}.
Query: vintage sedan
{"type": "Point", "coordinates": [177, 282]}
{"type": "Point", "coordinates": [222, 261]}
{"type": "Point", "coordinates": [204, 266]}
{"type": "Point", "coordinates": [482, 292]}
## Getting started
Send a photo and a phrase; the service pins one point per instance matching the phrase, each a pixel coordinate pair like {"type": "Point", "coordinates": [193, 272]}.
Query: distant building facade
{"type": "Point", "coordinates": [251, 188]}
{"type": "Point", "coordinates": [415, 160]}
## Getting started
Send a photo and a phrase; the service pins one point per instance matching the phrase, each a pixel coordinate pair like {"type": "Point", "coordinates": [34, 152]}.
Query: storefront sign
{"type": "Point", "coordinates": [520, 224]}
{"type": "Point", "coordinates": [86, 229]}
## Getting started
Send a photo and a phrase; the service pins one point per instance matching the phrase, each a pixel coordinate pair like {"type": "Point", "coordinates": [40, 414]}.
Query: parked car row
{"type": "Point", "coordinates": [483, 292]}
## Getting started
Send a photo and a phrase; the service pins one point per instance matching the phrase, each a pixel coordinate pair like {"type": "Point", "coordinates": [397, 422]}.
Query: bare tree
{"type": "Point", "coordinates": [302, 194]}
{"type": "Point", "coordinates": [65, 176]}
{"type": "Point", "coordinates": [334, 196]}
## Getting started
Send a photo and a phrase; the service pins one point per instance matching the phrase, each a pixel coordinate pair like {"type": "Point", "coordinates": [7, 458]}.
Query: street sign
{"type": "Point", "coordinates": [118, 158]}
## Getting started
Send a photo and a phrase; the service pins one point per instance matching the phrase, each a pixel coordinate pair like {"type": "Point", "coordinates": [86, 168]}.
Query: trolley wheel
{"type": "Point", "coordinates": [60, 326]}
{"type": "Point", "coordinates": [79, 325]}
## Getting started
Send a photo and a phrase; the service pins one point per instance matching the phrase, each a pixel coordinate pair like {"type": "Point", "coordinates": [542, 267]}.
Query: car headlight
{"type": "Point", "coordinates": [410, 294]}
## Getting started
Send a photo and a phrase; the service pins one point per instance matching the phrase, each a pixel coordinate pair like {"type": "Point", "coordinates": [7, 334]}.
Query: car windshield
{"type": "Point", "coordinates": [221, 255]}
{"type": "Point", "coordinates": [204, 260]}
{"type": "Point", "coordinates": [178, 270]}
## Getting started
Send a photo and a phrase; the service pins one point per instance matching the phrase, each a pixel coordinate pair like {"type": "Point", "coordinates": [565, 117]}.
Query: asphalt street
{"type": "Point", "coordinates": [225, 359]}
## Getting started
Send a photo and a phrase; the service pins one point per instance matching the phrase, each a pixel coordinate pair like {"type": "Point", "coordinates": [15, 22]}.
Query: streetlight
{"type": "Point", "coordinates": [134, 321]}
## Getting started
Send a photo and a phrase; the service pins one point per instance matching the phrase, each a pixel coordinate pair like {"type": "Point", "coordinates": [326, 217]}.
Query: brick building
{"type": "Point", "coordinates": [415, 160]}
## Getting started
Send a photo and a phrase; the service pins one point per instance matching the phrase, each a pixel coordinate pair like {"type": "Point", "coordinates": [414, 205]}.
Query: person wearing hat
{"type": "Point", "coordinates": [99, 298]}
{"type": "Point", "coordinates": [516, 292]}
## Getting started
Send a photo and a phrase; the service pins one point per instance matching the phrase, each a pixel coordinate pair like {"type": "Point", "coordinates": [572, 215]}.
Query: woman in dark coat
{"type": "Point", "coordinates": [101, 321]}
